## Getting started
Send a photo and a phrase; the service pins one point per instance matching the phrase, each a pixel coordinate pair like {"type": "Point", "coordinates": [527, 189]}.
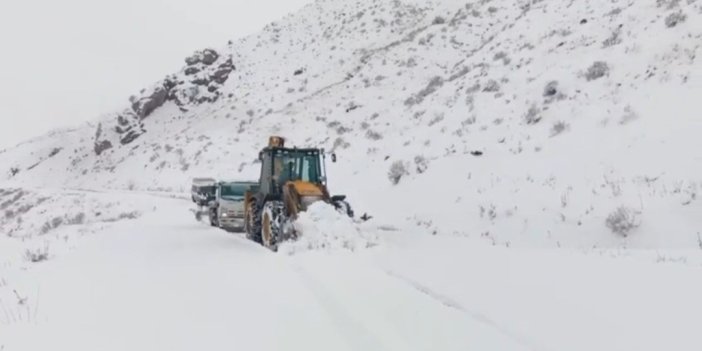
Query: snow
{"type": "Point", "coordinates": [491, 234]}
{"type": "Point", "coordinates": [165, 281]}
{"type": "Point", "coordinates": [322, 227]}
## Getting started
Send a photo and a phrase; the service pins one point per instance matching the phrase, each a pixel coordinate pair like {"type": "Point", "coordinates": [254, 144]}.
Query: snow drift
{"type": "Point", "coordinates": [324, 228]}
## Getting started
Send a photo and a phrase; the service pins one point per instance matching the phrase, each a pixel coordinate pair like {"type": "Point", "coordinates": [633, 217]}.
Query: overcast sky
{"type": "Point", "coordinates": [68, 61]}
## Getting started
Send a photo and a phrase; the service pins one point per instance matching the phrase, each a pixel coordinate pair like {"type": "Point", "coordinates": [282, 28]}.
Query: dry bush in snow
{"type": "Point", "coordinates": [598, 70]}
{"type": "Point", "coordinates": [492, 86]}
{"type": "Point", "coordinates": [502, 56]}
{"type": "Point", "coordinates": [51, 225]}
{"type": "Point", "coordinates": [533, 115]}
{"type": "Point", "coordinates": [668, 4]}
{"type": "Point", "coordinates": [77, 219]}
{"type": "Point", "coordinates": [421, 163]}
{"type": "Point", "coordinates": [397, 170]}
{"type": "Point", "coordinates": [439, 20]}
{"type": "Point", "coordinates": [340, 143]}
{"type": "Point", "coordinates": [558, 128]}
{"type": "Point", "coordinates": [37, 255]}
{"type": "Point", "coordinates": [551, 89]}
{"type": "Point", "coordinates": [614, 38]}
{"type": "Point", "coordinates": [674, 19]}
{"type": "Point", "coordinates": [629, 115]}
{"type": "Point", "coordinates": [373, 135]}
{"type": "Point", "coordinates": [622, 221]}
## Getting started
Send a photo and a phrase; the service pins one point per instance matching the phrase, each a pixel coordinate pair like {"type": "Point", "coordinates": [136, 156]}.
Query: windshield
{"type": "Point", "coordinates": [207, 190]}
{"type": "Point", "coordinates": [234, 191]}
{"type": "Point", "coordinates": [297, 165]}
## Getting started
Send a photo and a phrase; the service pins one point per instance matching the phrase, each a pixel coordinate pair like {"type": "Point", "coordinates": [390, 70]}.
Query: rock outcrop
{"type": "Point", "coordinates": [199, 82]}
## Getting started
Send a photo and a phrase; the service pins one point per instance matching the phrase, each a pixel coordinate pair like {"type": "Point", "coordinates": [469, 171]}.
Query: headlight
{"type": "Point", "coordinates": [224, 215]}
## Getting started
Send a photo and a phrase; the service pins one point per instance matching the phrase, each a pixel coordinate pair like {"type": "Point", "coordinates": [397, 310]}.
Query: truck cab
{"type": "Point", "coordinates": [227, 209]}
{"type": "Point", "coordinates": [202, 191]}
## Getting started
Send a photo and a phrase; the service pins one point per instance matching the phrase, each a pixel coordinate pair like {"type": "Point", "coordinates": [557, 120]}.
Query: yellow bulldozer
{"type": "Point", "coordinates": [291, 180]}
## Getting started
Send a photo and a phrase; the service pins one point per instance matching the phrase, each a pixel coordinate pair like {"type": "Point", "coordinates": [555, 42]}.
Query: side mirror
{"type": "Point", "coordinates": [333, 157]}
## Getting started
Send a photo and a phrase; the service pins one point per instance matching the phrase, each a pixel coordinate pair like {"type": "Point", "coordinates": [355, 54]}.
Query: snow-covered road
{"type": "Point", "coordinates": [165, 282]}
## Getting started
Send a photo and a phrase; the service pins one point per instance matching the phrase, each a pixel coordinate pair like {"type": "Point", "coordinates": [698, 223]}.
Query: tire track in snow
{"type": "Point", "coordinates": [357, 335]}
{"type": "Point", "coordinates": [475, 315]}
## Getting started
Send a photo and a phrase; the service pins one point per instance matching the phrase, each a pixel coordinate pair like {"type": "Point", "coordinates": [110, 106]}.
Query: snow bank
{"type": "Point", "coordinates": [39, 226]}
{"type": "Point", "coordinates": [324, 228]}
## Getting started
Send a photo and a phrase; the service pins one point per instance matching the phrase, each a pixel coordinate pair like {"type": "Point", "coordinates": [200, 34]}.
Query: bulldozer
{"type": "Point", "coordinates": [291, 181]}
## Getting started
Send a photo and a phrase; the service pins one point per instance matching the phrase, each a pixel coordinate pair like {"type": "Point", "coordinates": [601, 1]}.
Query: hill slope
{"type": "Point", "coordinates": [548, 123]}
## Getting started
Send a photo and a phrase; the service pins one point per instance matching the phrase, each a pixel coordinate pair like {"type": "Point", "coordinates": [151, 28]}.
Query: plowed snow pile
{"type": "Point", "coordinates": [324, 228]}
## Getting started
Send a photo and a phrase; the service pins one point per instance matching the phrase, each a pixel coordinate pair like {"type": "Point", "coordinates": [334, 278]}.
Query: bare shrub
{"type": "Point", "coordinates": [438, 20]}
{"type": "Point", "coordinates": [558, 128]}
{"type": "Point", "coordinates": [123, 216]}
{"type": "Point", "coordinates": [373, 135]}
{"type": "Point", "coordinates": [492, 86]}
{"type": "Point", "coordinates": [437, 118]}
{"type": "Point", "coordinates": [397, 170]}
{"type": "Point", "coordinates": [499, 55]}
{"type": "Point", "coordinates": [614, 38]}
{"type": "Point", "coordinates": [421, 164]}
{"type": "Point", "coordinates": [55, 151]}
{"type": "Point", "coordinates": [77, 220]}
{"type": "Point", "coordinates": [129, 215]}
{"type": "Point", "coordinates": [51, 225]}
{"type": "Point", "coordinates": [340, 143]}
{"type": "Point", "coordinates": [433, 85]}
{"type": "Point", "coordinates": [622, 221]}
{"type": "Point", "coordinates": [490, 211]}
{"type": "Point", "coordinates": [533, 115]}
{"type": "Point", "coordinates": [674, 19]}
{"type": "Point", "coordinates": [469, 121]}
{"type": "Point", "coordinates": [597, 70]}
{"type": "Point", "coordinates": [629, 115]}
{"type": "Point", "coordinates": [37, 255]}
{"type": "Point", "coordinates": [668, 4]}
{"type": "Point", "coordinates": [502, 56]}
{"type": "Point", "coordinates": [551, 89]}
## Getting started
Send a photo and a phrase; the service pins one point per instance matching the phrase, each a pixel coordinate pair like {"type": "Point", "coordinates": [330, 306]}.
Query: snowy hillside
{"type": "Point", "coordinates": [526, 123]}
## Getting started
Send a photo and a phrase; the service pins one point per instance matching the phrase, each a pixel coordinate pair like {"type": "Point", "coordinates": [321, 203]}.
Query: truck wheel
{"type": "Point", "coordinates": [213, 218]}
{"type": "Point", "coordinates": [272, 221]}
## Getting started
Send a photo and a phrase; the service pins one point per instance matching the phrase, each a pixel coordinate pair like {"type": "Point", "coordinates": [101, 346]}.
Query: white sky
{"type": "Point", "coordinates": [69, 61]}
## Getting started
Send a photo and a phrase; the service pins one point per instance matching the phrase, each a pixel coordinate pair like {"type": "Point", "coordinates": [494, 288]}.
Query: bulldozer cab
{"type": "Point", "coordinates": [291, 181]}
{"type": "Point", "coordinates": [281, 165]}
